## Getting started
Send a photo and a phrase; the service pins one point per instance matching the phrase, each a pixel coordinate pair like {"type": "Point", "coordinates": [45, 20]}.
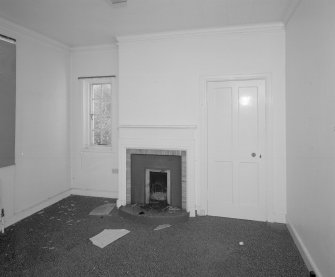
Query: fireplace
{"type": "Point", "coordinates": [170, 140]}
{"type": "Point", "coordinates": [156, 177]}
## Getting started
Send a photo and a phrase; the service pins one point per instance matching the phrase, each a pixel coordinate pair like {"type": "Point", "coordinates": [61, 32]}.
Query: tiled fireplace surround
{"type": "Point", "coordinates": [158, 140]}
{"type": "Point", "coordinates": [129, 152]}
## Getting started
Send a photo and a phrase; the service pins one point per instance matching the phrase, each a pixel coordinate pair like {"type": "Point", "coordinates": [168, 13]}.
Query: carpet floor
{"type": "Point", "coordinates": [55, 242]}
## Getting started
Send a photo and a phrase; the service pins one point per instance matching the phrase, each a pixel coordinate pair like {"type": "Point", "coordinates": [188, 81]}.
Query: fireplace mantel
{"type": "Point", "coordinates": [157, 126]}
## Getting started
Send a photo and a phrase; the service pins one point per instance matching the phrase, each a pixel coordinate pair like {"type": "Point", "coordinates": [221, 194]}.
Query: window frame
{"type": "Point", "coordinates": [87, 84]}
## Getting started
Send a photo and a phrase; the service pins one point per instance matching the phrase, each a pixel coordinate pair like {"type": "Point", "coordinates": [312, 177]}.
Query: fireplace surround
{"type": "Point", "coordinates": [166, 140]}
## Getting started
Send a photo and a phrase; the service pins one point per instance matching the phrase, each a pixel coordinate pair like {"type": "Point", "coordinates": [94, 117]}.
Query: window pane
{"type": "Point", "coordinates": [108, 123]}
{"type": "Point", "coordinates": [96, 89]}
{"type": "Point", "coordinates": [96, 107]}
{"type": "Point", "coordinates": [96, 122]}
{"type": "Point", "coordinates": [106, 108]}
{"type": "Point", "coordinates": [107, 91]}
{"type": "Point", "coordinates": [106, 137]}
{"type": "Point", "coordinates": [103, 137]}
{"type": "Point", "coordinates": [96, 137]}
{"type": "Point", "coordinates": [101, 122]}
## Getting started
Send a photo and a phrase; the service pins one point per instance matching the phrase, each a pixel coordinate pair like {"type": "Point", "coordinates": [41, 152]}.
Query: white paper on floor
{"type": "Point", "coordinates": [163, 226]}
{"type": "Point", "coordinates": [108, 236]}
{"type": "Point", "coordinates": [103, 209]}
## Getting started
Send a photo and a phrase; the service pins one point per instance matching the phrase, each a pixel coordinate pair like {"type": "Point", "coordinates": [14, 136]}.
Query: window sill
{"type": "Point", "coordinates": [98, 149]}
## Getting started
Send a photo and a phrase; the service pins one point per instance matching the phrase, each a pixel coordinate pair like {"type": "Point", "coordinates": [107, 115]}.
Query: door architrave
{"type": "Point", "coordinates": [268, 154]}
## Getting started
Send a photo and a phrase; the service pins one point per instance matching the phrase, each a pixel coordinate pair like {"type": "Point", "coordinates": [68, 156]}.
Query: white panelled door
{"type": "Point", "coordinates": [236, 132]}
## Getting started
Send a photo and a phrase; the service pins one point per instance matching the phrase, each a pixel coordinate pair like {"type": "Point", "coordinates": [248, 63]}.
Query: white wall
{"type": "Point", "coordinates": [161, 84]}
{"type": "Point", "coordinates": [311, 132]}
{"type": "Point", "coordinates": [94, 173]}
{"type": "Point", "coordinates": [41, 173]}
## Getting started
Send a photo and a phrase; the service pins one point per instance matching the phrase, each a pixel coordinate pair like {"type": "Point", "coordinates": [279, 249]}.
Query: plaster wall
{"type": "Point", "coordinates": [162, 80]}
{"type": "Point", "coordinates": [310, 133]}
{"type": "Point", "coordinates": [93, 173]}
{"type": "Point", "coordinates": [41, 171]}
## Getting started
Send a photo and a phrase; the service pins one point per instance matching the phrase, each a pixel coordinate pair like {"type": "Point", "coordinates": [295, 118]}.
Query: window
{"type": "Point", "coordinates": [98, 112]}
{"type": "Point", "coordinates": [101, 114]}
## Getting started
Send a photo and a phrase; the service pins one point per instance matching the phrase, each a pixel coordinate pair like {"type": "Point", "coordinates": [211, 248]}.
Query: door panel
{"type": "Point", "coordinates": [235, 122]}
{"type": "Point", "coordinates": [224, 193]}
{"type": "Point", "coordinates": [247, 121]}
{"type": "Point", "coordinates": [248, 184]}
{"type": "Point", "coordinates": [222, 113]}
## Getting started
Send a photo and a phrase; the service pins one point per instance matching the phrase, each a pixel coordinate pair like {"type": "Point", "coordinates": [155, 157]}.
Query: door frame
{"type": "Point", "coordinates": [268, 155]}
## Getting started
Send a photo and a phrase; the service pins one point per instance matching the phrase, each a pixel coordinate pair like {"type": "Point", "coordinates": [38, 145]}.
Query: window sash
{"type": "Point", "coordinates": [99, 114]}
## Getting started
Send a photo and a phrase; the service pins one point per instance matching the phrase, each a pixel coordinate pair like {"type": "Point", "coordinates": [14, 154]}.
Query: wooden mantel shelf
{"type": "Point", "coordinates": [157, 126]}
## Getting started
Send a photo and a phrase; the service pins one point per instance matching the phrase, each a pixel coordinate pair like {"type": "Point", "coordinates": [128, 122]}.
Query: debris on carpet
{"type": "Point", "coordinates": [102, 210]}
{"type": "Point", "coordinates": [172, 209]}
{"type": "Point", "coordinates": [108, 236]}
{"type": "Point", "coordinates": [163, 226]}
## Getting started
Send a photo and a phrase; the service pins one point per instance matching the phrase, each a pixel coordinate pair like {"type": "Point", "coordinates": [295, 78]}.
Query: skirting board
{"type": "Point", "coordinates": [302, 249]}
{"type": "Point", "coordinates": [40, 206]}
{"type": "Point", "coordinates": [278, 218]}
{"type": "Point", "coordinates": [95, 193]}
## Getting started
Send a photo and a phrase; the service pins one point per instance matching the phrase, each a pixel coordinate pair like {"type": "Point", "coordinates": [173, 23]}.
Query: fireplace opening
{"type": "Point", "coordinates": [157, 187]}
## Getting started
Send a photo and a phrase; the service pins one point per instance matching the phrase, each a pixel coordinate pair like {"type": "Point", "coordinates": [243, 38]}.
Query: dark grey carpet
{"type": "Point", "coordinates": [56, 243]}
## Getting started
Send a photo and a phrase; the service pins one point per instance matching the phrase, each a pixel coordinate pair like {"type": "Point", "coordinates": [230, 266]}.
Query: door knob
{"type": "Point", "coordinates": [253, 155]}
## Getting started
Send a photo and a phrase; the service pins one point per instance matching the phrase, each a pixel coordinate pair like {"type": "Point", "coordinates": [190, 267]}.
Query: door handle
{"type": "Point", "coordinates": [253, 155]}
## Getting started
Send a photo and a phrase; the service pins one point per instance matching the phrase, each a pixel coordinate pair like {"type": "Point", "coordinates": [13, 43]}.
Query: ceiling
{"type": "Point", "coordinates": [97, 22]}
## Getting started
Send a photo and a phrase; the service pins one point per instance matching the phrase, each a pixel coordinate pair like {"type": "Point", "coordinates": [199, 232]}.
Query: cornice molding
{"type": "Point", "coordinates": [102, 47]}
{"type": "Point", "coordinates": [291, 8]}
{"type": "Point", "coordinates": [277, 26]}
{"type": "Point", "coordinates": [11, 29]}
